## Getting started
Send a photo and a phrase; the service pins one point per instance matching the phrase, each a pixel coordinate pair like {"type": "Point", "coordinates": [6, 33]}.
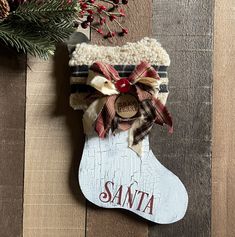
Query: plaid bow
{"type": "Point", "coordinates": [144, 85]}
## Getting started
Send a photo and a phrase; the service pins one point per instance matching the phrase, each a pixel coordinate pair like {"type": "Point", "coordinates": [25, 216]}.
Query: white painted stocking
{"type": "Point", "coordinates": [111, 175]}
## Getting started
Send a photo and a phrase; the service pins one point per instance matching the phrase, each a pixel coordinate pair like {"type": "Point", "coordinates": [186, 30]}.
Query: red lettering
{"type": "Point", "coordinates": [106, 196]}
{"type": "Point", "coordinates": [141, 199]}
{"type": "Point", "coordinates": [118, 195]}
{"type": "Point", "coordinates": [150, 205]}
{"type": "Point", "coordinates": [128, 198]}
{"type": "Point", "coordinates": [131, 199]}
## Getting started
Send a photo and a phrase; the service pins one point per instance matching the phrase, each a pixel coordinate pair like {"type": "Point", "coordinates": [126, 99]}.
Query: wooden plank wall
{"type": "Point", "coordinates": [53, 204]}
{"type": "Point", "coordinates": [223, 215]}
{"type": "Point", "coordinates": [185, 29]}
{"type": "Point", "coordinates": [12, 122]}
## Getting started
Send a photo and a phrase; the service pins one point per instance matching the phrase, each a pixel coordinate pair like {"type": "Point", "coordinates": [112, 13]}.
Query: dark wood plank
{"type": "Point", "coordinates": [12, 122]}
{"type": "Point", "coordinates": [185, 29]}
{"type": "Point", "coordinates": [116, 223]}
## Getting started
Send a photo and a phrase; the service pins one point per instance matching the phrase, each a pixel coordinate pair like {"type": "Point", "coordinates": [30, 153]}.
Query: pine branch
{"type": "Point", "coordinates": [57, 32]}
{"type": "Point", "coordinates": [48, 11]}
{"type": "Point", "coordinates": [23, 41]}
{"type": "Point", "coordinates": [35, 27]}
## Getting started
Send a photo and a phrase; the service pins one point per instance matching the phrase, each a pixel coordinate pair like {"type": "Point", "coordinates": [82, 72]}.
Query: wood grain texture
{"type": "Point", "coordinates": [12, 117]}
{"type": "Point", "coordinates": [53, 205]}
{"type": "Point", "coordinates": [223, 211]}
{"type": "Point", "coordinates": [185, 29]}
{"type": "Point", "coordinates": [120, 223]}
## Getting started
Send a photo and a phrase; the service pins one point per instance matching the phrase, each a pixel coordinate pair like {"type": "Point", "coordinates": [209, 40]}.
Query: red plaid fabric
{"type": "Point", "coordinates": [106, 117]}
{"type": "Point", "coordinates": [144, 69]}
{"type": "Point", "coordinates": [151, 109]}
{"type": "Point", "coordinates": [105, 69]}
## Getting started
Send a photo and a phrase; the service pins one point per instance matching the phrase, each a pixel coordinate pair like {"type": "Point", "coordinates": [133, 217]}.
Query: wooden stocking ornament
{"type": "Point", "coordinates": [116, 172]}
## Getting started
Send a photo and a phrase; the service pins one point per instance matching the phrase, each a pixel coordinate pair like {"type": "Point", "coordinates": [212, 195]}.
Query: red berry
{"type": "Point", "coordinates": [109, 35]}
{"type": "Point", "coordinates": [112, 17]}
{"type": "Point", "coordinates": [85, 24]}
{"type": "Point", "coordinates": [91, 1]}
{"type": "Point", "coordinates": [102, 20]}
{"type": "Point", "coordinates": [124, 31]}
{"type": "Point", "coordinates": [124, 1]}
{"type": "Point", "coordinates": [100, 31]}
{"type": "Point", "coordinates": [91, 12]}
{"type": "Point", "coordinates": [102, 8]}
{"type": "Point", "coordinates": [122, 12]}
{"type": "Point", "coordinates": [90, 18]}
{"type": "Point", "coordinates": [84, 6]}
{"type": "Point", "coordinates": [81, 14]}
{"type": "Point", "coordinates": [116, 1]}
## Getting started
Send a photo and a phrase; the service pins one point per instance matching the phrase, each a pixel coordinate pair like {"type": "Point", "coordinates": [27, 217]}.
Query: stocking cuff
{"type": "Point", "coordinates": [131, 53]}
{"type": "Point", "coordinates": [124, 58]}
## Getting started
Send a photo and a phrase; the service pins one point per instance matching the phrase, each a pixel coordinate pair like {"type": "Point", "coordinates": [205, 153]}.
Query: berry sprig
{"type": "Point", "coordinates": [98, 14]}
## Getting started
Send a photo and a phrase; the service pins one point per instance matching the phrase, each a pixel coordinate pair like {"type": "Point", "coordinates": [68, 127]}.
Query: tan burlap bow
{"type": "Point", "coordinates": [143, 83]}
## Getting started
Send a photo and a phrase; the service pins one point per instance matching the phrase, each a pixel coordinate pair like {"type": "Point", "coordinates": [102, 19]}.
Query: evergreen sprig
{"type": "Point", "coordinates": [24, 40]}
{"type": "Point", "coordinates": [52, 10]}
{"type": "Point", "coordinates": [35, 27]}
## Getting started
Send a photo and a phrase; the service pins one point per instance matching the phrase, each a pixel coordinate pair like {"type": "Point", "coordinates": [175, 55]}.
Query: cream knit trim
{"type": "Point", "coordinates": [130, 53]}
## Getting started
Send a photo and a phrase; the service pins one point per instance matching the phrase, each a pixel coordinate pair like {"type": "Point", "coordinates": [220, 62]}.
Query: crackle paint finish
{"type": "Point", "coordinates": [111, 175]}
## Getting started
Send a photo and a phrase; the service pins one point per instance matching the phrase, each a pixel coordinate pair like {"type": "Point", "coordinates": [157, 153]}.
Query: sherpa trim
{"type": "Point", "coordinates": [131, 53]}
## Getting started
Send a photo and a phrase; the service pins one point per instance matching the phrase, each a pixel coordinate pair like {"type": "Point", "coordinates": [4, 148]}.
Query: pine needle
{"type": "Point", "coordinates": [35, 28]}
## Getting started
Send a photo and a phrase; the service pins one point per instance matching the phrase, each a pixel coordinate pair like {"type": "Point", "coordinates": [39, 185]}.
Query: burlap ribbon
{"type": "Point", "coordinates": [101, 116]}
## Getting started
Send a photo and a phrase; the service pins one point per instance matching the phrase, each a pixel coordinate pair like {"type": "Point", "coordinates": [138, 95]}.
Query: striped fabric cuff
{"type": "Point", "coordinates": [79, 89]}
{"type": "Point", "coordinates": [123, 58]}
